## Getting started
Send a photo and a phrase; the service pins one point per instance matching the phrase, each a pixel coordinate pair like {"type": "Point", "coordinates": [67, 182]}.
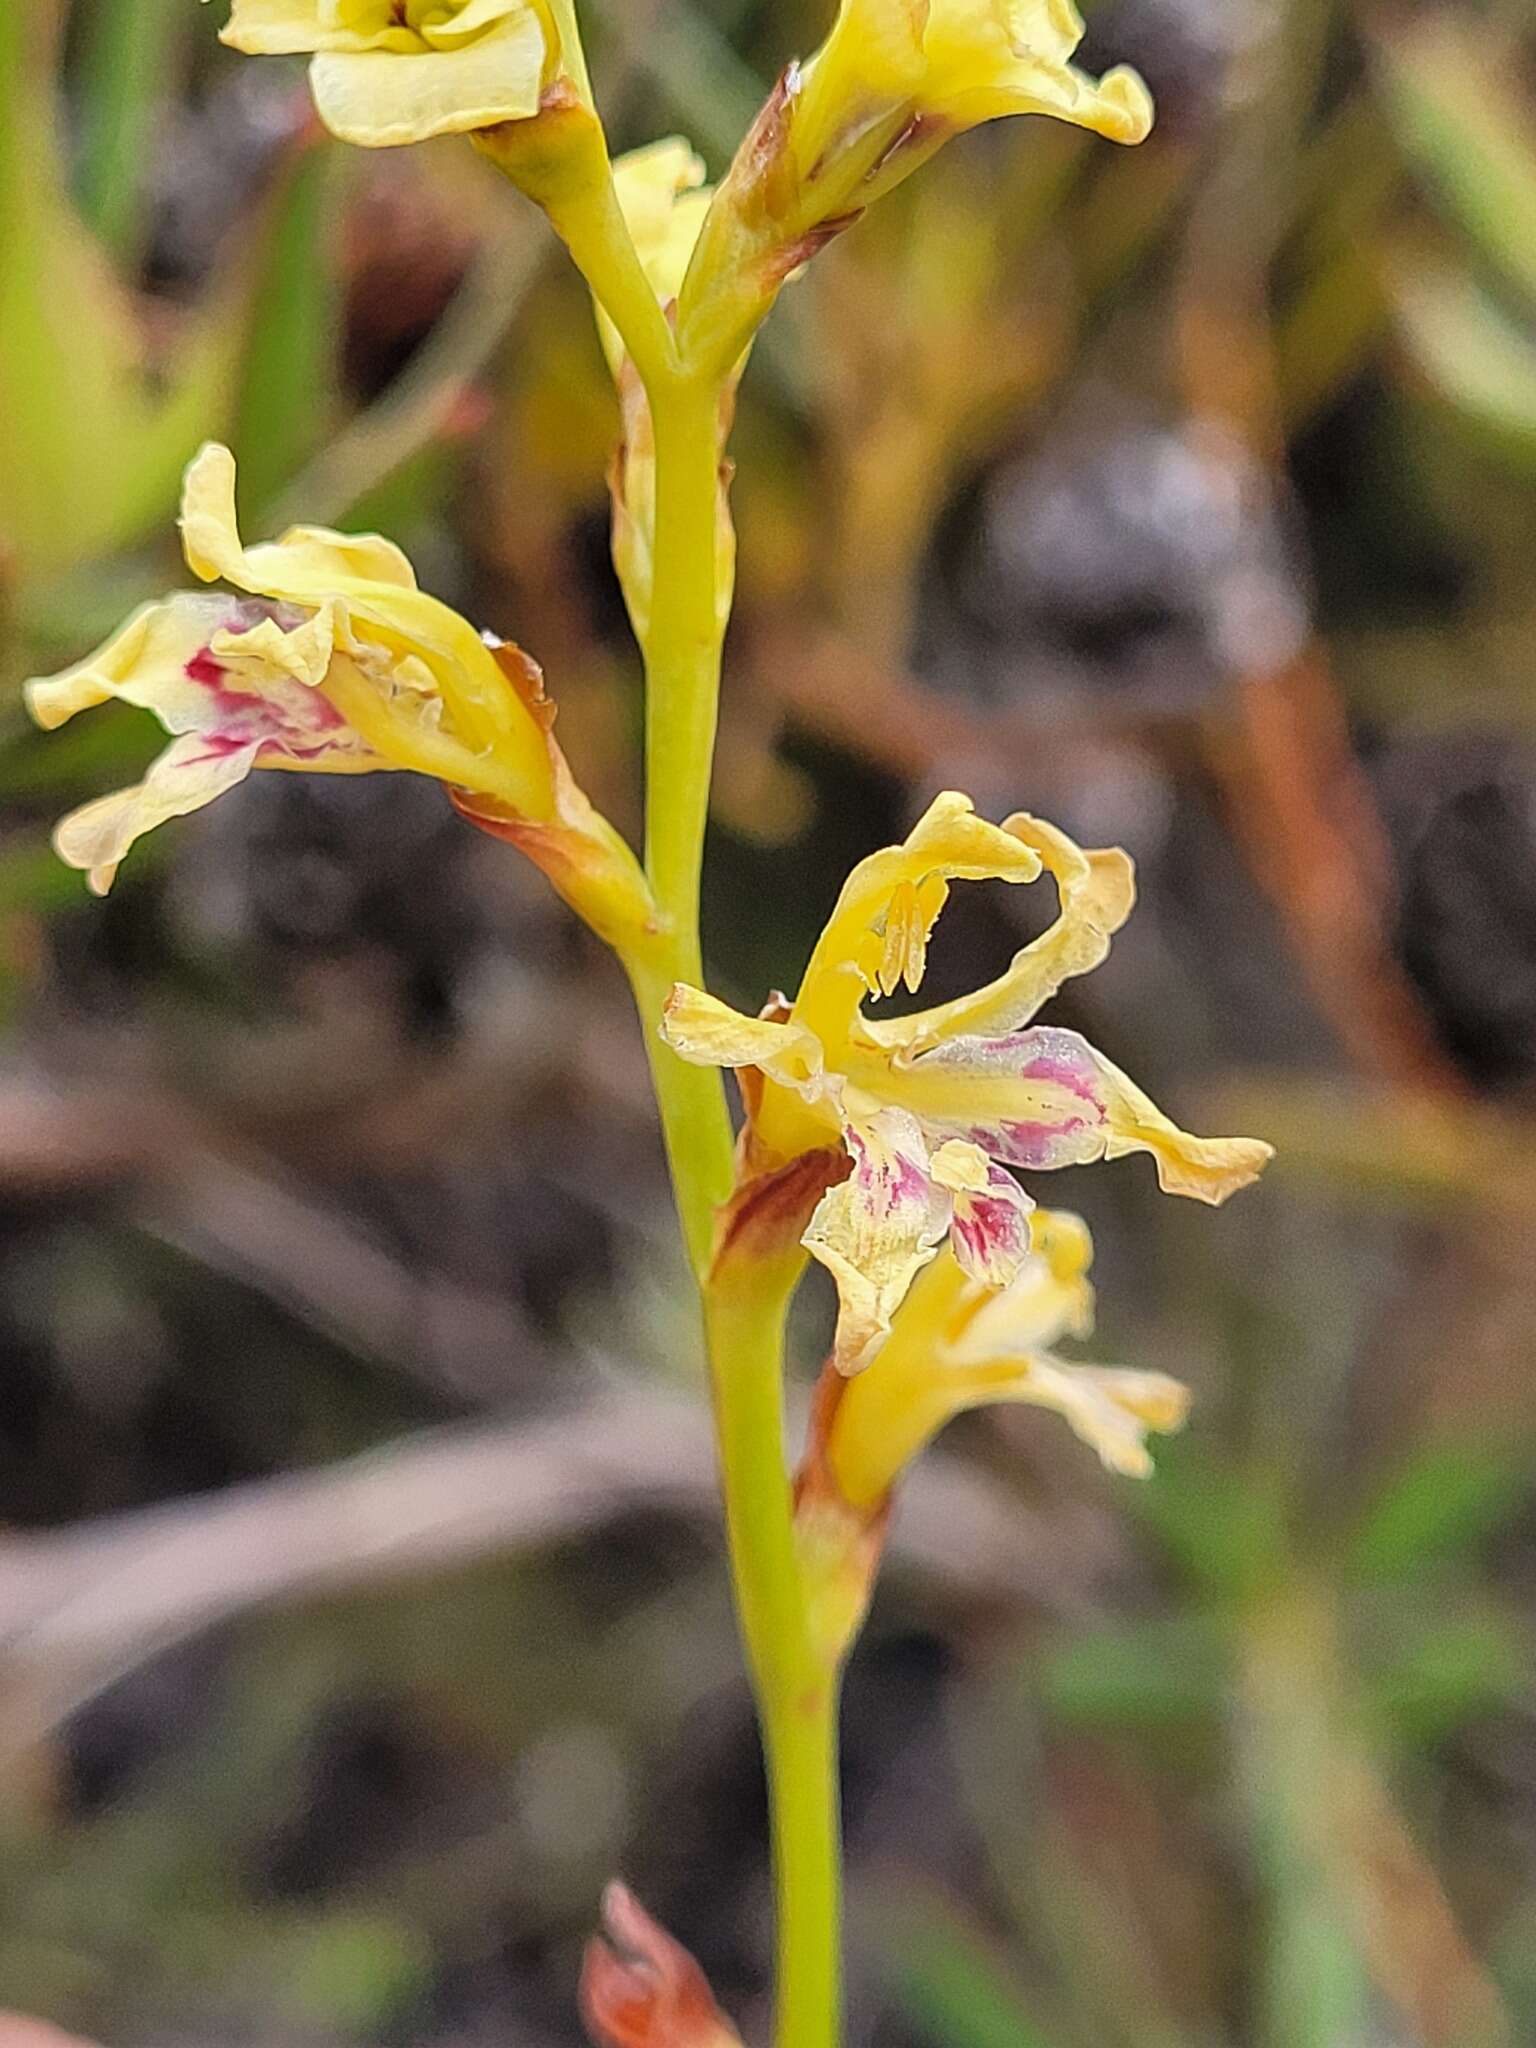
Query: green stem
{"type": "Point", "coordinates": [745, 1305]}
{"type": "Point", "coordinates": [694, 1125]}
{"type": "Point", "coordinates": [801, 1743]}
{"type": "Point", "coordinates": [797, 1694]}
{"type": "Point", "coordinates": [682, 647]}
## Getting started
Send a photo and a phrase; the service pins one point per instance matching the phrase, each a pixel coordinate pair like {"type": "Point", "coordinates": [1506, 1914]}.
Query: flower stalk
{"type": "Point", "coordinates": [885, 1149]}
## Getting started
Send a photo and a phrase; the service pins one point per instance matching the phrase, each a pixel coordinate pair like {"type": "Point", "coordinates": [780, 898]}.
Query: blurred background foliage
{"type": "Point", "coordinates": [360, 1598]}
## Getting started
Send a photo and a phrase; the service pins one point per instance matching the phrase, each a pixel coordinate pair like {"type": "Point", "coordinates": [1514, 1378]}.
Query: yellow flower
{"type": "Point", "coordinates": [333, 662]}
{"type": "Point", "coordinates": [944, 65]}
{"type": "Point", "coordinates": [934, 1107]}
{"type": "Point", "coordinates": [893, 81]}
{"type": "Point", "coordinates": [394, 71]}
{"type": "Point", "coordinates": [956, 1344]}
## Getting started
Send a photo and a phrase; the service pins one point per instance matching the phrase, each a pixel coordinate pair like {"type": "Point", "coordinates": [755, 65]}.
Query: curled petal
{"type": "Point", "coordinates": [1209, 1169]}
{"type": "Point", "coordinates": [948, 843]}
{"type": "Point", "coordinates": [392, 75]}
{"type": "Point", "coordinates": [279, 28]}
{"type": "Point", "coordinates": [147, 657]}
{"type": "Point", "coordinates": [1044, 1098]}
{"type": "Point", "coordinates": [642, 1989]}
{"type": "Point", "coordinates": [1062, 1240]}
{"type": "Point", "coordinates": [306, 563]}
{"type": "Point", "coordinates": [224, 668]}
{"type": "Point", "coordinates": [990, 1227]}
{"type": "Point", "coordinates": [955, 1345]}
{"type": "Point", "coordinates": [876, 1230]}
{"type": "Point", "coordinates": [1097, 891]}
{"type": "Point", "coordinates": [191, 772]}
{"type": "Point", "coordinates": [1117, 106]}
{"type": "Point", "coordinates": [986, 58]}
{"type": "Point", "coordinates": [912, 71]}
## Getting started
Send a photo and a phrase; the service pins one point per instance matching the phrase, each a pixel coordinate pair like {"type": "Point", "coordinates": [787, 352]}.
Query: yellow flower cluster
{"type": "Point", "coordinates": [932, 1109]}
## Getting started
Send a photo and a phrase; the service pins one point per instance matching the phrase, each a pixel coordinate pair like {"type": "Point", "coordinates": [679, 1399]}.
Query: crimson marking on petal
{"type": "Point", "coordinates": [992, 1217]}
{"type": "Point", "coordinates": [904, 1181]}
{"type": "Point", "coordinates": [287, 716]}
{"type": "Point", "coordinates": [1069, 1071]}
{"type": "Point", "coordinates": [202, 668]}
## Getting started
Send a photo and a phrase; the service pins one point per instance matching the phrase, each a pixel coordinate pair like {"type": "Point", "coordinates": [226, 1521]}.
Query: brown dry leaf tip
{"type": "Point", "coordinates": [642, 1989]}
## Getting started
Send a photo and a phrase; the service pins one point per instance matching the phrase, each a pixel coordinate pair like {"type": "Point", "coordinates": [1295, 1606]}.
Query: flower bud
{"type": "Point", "coordinates": [642, 1989]}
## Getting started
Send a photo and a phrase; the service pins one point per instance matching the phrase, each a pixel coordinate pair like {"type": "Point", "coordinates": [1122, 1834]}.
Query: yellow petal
{"type": "Point", "coordinates": [278, 28]}
{"type": "Point", "coordinates": [380, 98]}
{"type": "Point", "coordinates": [190, 773]}
{"type": "Point", "coordinates": [948, 843]}
{"type": "Point", "coordinates": [1106, 1406]}
{"type": "Point", "coordinates": [1063, 1241]}
{"type": "Point", "coordinates": [709, 1033]}
{"type": "Point", "coordinates": [1096, 892]}
{"type": "Point", "coordinates": [663, 198]}
{"type": "Point", "coordinates": [886, 1415]}
{"type": "Point", "coordinates": [876, 1230]}
{"type": "Point", "coordinates": [1118, 106]}
{"type": "Point", "coordinates": [986, 58]}
{"type": "Point", "coordinates": [306, 563]}
{"type": "Point", "coordinates": [1209, 1169]}
{"type": "Point", "coordinates": [303, 651]}
{"type": "Point", "coordinates": [472, 20]}
{"type": "Point", "coordinates": [955, 1346]}
{"type": "Point", "coordinates": [1049, 1298]}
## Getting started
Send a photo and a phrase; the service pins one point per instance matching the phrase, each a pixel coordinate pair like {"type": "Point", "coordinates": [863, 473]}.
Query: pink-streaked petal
{"type": "Point", "coordinates": [191, 772]}
{"type": "Point", "coordinates": [990, 1228]}
{"type": "Point", "coordinates": [233, 669]}
{"type": "Point", "coordinates": [1032, 1099]}
{"type": "Point", "coordinates": [1044, 1098]}
{"type": "Point", "coordinates": [876, 1230]}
